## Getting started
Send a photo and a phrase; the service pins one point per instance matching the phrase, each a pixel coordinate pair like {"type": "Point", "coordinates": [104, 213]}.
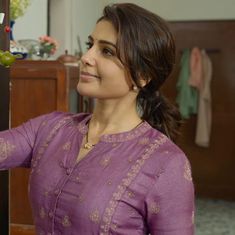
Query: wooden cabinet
{"type": "Point", "coordinates": [38, 87]}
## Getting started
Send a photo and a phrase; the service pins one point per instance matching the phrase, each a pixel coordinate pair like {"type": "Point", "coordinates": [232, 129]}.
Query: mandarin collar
{"type": "Point", "coordinates": [118, 137]}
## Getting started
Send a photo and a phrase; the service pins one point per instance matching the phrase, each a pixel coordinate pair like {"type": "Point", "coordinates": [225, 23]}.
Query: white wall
{"type": "Point", "coordinates": [34, 22]}
{"type": "Point", "coordinates": [187, 9]}
{"type": "Point", "coordinates": [70, 18]}
{"type": "Point", "coordinates": [85, 14]}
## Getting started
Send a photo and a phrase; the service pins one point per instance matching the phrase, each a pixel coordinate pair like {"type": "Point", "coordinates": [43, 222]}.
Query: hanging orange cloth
{"type": "Point", "coordinates": [196, 73]}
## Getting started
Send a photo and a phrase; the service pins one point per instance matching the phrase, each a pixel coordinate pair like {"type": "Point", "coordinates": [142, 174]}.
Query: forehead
{"type": "Point", "coordinates": [104, 30]}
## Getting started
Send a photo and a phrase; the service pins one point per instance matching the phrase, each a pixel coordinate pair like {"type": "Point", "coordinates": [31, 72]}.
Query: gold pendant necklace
{"type": "Point", "coordinates": [88, 145]}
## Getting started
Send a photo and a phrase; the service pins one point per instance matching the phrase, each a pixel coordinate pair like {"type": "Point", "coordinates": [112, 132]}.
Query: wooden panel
{"type": "Point", "coordinates": [213, 167]}
{"type": "Point", "coordinates": [4, 119]}
{"type": "Point", "coordinates": [18, 229]}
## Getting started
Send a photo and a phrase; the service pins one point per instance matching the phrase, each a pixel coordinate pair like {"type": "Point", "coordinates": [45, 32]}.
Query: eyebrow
{"type": "Point", "coordinates": [103, 42]}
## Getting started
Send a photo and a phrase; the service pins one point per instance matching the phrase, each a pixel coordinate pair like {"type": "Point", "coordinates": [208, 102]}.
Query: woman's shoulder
{"type": "Point", "coordinates": [58, 116]}
{"type": "Point", "coordinates": [56, 120]}
{"type": "Point", "coordinates": [165, 152]}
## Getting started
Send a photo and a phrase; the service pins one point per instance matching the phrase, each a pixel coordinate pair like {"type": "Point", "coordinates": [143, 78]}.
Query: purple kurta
{"type": "Point", "coordinates": [131, 183]}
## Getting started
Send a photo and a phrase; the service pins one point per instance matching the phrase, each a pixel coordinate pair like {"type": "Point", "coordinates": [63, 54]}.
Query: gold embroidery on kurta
{"type": "Point", "coordinates": [44, 123]}
{"type": "Point", "coordinates": [66, 146]}
{"type": "Point", "coordinates": [144, 141]}
{"type": "Point", "coordinates": [130, 194]}
{"type": "Point", "coordinates": [6, 148]}
{"type": "Point", "coordinates": [187, 171]}
{"type": "Point", "coordinates": [81, 198]}
{"type": "Point", "coordinates": [105, 161]}
{"type": "Point", "coordinates": [78, 179]}
{"type": "Point", "coordinates": [110, 209]}
{"type": "Point", "coordinates": [66, 221]}
{"type": "Point", "coordinates": [130, 159]}
{"type": "Point", "coordinates": [95, 216]}
{"type": "Point", "coordinates": [113, 226]}
{"type": "Point", "coordinates": [154, 208]}
{"type": "Point", "coordinates": [42, 213]}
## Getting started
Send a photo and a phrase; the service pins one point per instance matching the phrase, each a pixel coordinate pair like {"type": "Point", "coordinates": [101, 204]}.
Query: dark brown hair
{"type": "Point", "coordinates": [146, 48]}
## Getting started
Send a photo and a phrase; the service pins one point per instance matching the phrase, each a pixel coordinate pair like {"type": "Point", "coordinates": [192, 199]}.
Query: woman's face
{"type": "Point", "coordinates": [102, 75]}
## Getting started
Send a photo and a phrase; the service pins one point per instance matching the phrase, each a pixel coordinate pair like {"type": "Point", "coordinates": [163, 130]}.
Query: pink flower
{"type": "Point", "coordinates": [48, 44]}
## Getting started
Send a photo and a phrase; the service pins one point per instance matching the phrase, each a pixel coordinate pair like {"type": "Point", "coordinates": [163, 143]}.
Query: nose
{"type": "Point", "coordinates": [88, 58]}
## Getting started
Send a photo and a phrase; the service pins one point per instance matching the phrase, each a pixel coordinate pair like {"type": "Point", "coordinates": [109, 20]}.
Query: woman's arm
{"type": "Point", "coordinates": [170, 203]}
{"type": "Point", "coordinates": [16, 145]}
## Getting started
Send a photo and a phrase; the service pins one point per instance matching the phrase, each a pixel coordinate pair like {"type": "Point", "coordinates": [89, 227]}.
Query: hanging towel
{"type": "Point", "coordinates": [204, 118]}
{"type": "Point", "coordinates": [195, 78]}
{"type": "Point", "coordinates": [187, 96]}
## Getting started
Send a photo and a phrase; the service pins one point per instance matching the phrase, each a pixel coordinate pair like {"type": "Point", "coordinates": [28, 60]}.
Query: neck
{"type": "Point", "coordinates": [110, 117]}
{"type": "Point", "coordinates": [117, 116]}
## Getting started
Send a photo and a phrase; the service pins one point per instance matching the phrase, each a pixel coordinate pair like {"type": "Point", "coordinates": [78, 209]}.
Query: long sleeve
{"type": "Point", "coordinates": [170, 203]}
{"type": "Point", "coordinates": [17, 144]}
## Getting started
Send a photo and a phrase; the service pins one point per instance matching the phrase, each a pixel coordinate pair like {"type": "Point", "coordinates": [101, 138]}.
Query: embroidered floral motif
{"type": "Point", "coordinates": [66, 146]}
{"type": "Point", "coordinates": [113, 226]}
{"type": "Point", "coordinates": [144, 141]}
{"type": "Point", "coordinates": [78, 179]}
{"type": "Point", "coordinates": [6, 148]}
{"type": "Point", "coordinates": [130, 159]}
{"type": "Point", "coordinates": [94, 216]}
{"type": "Point", "coordinates": [154, 208]}
{"type": "Point", "coordinates": [130, 194]}
{"type": "Point", "coordinates": [44, 123]}
{"type": "Point", "coordinates": [105, 161]}
{"type": "Point", "coordinates": [81, 198]}
{"type": "Point", "coordinates": [66, 221]}
{"type": "Point", "coordinates": [110, 209]}
{"type": "Point", "coordinates": [187, 171]}
{"type": "Point", "coordinates": [42, 213]}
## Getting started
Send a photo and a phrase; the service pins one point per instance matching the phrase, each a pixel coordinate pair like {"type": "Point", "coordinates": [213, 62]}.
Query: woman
{"type": "Point", "coordinates": [115, 171]}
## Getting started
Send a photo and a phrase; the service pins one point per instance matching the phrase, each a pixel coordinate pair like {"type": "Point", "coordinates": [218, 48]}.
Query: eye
{"type": "Point", "coordinates": [89, 45]}
{"type": "Point", "coordinates": [108, 52]}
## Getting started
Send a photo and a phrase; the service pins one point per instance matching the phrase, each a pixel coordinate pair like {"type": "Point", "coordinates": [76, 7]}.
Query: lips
{"type": "Point", "coordinates": [86, 74]}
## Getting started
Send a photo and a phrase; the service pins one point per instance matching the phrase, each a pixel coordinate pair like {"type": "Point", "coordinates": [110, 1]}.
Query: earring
{"type": "Point", "coordinates": [135, 88]}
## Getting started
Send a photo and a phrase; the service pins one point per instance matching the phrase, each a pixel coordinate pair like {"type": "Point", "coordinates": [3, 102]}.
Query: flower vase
{"type": "Point", "coordinates": [12, 22]}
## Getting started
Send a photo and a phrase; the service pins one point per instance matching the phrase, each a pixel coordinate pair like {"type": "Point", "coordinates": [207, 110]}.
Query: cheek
{"type": "Point", "coordinates": [115, 76]}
